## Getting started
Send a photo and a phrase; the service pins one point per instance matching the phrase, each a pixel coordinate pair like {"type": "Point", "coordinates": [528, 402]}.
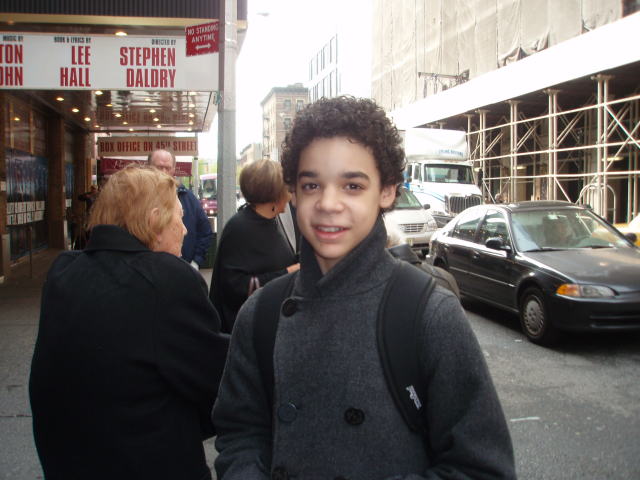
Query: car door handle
{"type": "Point", "coordinates": [475, 255]}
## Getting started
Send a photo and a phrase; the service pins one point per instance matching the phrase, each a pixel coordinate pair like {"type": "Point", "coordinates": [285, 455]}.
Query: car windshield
{"type": "Point", "coordinates": [445, 173]}
{"type": "Point", "coordinates": [560, 229]}
{"type": "Point", "coordinates": [209, 189]}
{"type": "Point", "coordinates": [407, 200]}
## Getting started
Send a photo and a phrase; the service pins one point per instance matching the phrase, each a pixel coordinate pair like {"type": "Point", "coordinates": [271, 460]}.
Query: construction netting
{"type": "Point", "coordinates": [422, 47]}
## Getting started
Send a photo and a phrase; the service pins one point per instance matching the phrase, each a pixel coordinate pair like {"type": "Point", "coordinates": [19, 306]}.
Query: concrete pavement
{"type": "Point", "coordinates": [19, 311]}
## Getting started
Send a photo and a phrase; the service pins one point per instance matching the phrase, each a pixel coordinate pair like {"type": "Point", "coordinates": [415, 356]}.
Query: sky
{"type": "Point", "coordinates": [281, 37]}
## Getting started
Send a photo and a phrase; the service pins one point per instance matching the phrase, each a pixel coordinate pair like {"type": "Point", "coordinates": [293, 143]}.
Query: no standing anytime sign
{"type": "Point", "coordinates": [202, 38]}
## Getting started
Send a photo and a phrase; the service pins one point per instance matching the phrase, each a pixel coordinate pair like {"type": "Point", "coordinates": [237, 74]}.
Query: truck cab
{"type": "Point", "coordinates": [439, 172]}
{"type": "Point", "coordinates": [209, 193]}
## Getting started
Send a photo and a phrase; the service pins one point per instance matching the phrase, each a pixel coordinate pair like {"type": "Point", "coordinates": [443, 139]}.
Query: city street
{"type": "Point", "coordinates": [574, 412]}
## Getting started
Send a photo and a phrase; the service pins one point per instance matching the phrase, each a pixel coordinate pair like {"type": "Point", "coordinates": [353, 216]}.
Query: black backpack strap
{"type": "Point", "coordinates": [265, 326]}
{"type": "Point", "coordinates": [399, 317]}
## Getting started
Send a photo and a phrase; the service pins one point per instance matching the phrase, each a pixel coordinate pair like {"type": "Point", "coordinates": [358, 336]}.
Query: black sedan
{"type": "Point", "coordinates": [558, 265]}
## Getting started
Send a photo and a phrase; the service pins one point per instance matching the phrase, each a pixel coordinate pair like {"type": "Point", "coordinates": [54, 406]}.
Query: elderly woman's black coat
{"type": "Point", "coordinates": [250, 245]}
{"type": "Point", "coordinates": [126, 365]}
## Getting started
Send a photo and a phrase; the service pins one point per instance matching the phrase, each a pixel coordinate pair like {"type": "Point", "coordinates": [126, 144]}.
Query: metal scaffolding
{"type": "Point", "coordinates": [587, 154]}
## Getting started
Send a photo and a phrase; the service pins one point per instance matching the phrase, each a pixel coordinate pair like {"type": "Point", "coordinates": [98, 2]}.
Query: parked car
{"type": "Point", "coordinates": [632, 227]}
{"type": "Point", "coordinates": [416, 224]}
{"type": "Point", "coordinates": [558, 265]}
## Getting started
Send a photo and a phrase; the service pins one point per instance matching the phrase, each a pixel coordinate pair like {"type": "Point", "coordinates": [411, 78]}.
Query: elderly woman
{"type": "Point", "coordinates": [253, 249]}
{"type": "Point", "coordinates": [129, 351]}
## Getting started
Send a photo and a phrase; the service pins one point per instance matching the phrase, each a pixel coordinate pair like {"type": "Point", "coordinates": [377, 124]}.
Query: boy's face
{"type": "Point", "coordinates": [338, 197]}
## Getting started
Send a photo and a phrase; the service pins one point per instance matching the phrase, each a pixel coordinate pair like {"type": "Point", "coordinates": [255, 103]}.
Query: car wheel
{"type": "Point", "coordinates": [534, 318]}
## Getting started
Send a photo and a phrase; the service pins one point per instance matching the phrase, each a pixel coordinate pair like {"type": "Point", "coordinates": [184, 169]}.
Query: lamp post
{"type": "Point", "coordinates": [227, 114]}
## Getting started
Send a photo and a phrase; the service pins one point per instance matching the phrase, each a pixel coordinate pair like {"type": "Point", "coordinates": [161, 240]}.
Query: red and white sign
{"type": "Point", "coordinates": [143, 146]}
{"type": "Point", "coordinates": [202, 38]}
{"type": "Point", "coordinates": [109, 166]}
{"type": "Point", "coordinates": [103, 62]}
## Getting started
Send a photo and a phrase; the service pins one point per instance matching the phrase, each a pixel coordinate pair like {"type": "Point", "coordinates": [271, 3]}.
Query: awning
{"type": "Point", "coordinates": [610, 46]}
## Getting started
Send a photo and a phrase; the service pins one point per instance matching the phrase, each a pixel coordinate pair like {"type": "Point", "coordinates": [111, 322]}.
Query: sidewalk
{"type": "Point", "coordinates": [19, 314]}
{"type": "Point", "coordinates": [19, 311]}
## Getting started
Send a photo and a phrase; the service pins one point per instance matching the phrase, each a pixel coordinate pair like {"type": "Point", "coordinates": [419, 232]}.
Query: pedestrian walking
{"type": "Point", "coordinates": [199, 234]}
{"type": "Point", "coordinates": [129, 355]}
{"type": "Point", "coordinates": [253, 249]}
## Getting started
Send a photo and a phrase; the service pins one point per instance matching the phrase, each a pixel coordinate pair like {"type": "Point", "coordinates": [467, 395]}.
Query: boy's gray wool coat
{"type": "Point", "coordinates": [333, 415]}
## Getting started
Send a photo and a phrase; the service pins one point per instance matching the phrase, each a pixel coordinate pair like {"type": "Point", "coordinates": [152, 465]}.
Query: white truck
{"type": "Point", "coordinates": [439, 171]}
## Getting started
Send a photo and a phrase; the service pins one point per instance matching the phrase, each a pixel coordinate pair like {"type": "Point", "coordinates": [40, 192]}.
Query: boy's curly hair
{"type": "Point", "coordinates": [359, 119]}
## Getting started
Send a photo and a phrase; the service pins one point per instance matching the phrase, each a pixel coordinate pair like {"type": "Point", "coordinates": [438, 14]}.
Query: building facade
{"type": "Point", "coordinates": [279, 109]}
{"type": "Point", "coordinates": [250, 153]}
{"type": "Point", "coordinates": [546, 90]}
{"type": "Point", "coordinates": [341, 63]}
{"type": "Point", "coordinates": [324, 76]}
{"type": "Point", "coordinates": [71, 72]}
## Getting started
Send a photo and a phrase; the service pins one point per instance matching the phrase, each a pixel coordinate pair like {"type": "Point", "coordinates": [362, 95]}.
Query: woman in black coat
{"type": "Point", "coordinates": [252, 243]}
{"type": "Point", "coordinates": [129, 354]}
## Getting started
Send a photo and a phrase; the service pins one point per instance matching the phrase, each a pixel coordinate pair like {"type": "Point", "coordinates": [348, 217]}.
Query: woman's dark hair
{"type": "Point", "coordinates": [359, 119]}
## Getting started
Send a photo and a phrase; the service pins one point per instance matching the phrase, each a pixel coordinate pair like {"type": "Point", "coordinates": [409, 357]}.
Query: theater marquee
{"type": "Point", "coordinates": [103, 62]}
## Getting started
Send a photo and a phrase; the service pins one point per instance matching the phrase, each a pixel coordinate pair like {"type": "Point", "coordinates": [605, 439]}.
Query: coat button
{"type": "Point", "coordinates": [287, 412]}
{"type": "Point", "coordinates": [279, 473]}
{"type": "Point", "coordinates": [354, 416]}
{"type": "Point", "coordinates": [289, 307]}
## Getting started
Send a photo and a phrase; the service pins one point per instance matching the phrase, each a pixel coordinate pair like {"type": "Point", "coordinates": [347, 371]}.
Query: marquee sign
{"type": "Point", "coordinates": [103, 62]}
{"type": "Point", "coordinates": [143, 146]}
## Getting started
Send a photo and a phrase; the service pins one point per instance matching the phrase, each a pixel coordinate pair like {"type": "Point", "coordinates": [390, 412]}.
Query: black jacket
{"type": "Point", "coordinates": [251, 245]}
{"type": "Point", "coordinates": [126, 365]}
{"type": "Point", "coordinates": [440, 275]}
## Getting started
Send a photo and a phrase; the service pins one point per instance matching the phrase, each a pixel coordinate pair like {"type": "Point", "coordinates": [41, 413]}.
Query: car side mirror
{"type": "Point", "coordinates": [426, 206]}
{"type": "Point", "coordinates": [632, 237]}
{"type": "Point", "coordinates": [496, 243]}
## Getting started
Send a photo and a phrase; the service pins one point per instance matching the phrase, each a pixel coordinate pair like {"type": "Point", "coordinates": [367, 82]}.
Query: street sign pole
{"type": "Point", "coordinates": [227, 114]}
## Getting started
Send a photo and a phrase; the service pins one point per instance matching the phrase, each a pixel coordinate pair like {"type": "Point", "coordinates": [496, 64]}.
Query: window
{"type": "Point", "coordinates": [299, 105]}
{"type": "Point", "coordinates": [332, 50]}
{"type": "Point", "coordinates": [417, 173]}
{"type": "Point", "coordinates": [494, 225]}
{"type": "Point", "coordinates": [335, 49]}
{"type": "Point", "coordinates": [287, 124]}
{"type": "Point", "coordinates": [325, 56]}
{"type": "Point", "coordinates": [467, 224]}
{"type": "Point", "coordinates": [287, 104]}
{"type": "Point", "coordinates": [448, 173]}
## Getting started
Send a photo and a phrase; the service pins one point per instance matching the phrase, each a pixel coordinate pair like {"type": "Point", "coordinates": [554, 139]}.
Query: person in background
{"type": "Point", "coordinates": [333, 416]}
{"type": "Point", "coordinates": [199, 234]}
{"type": "Point", "coordinates": [129, 352]}
{"type": "Point", "coordinates": [397, 246]}
{"type": "Point", "coordinates": [252, 247]}
{"type": "Point", "coordinates": [89, 197]}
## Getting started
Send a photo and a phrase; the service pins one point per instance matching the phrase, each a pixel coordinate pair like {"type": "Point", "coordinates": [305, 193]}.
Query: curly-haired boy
{"type": "Point", "coordinates": [330, 413]}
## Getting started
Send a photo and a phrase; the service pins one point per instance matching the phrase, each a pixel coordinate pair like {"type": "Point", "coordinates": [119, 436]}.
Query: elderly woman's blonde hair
{"type": "Point", "coordinates": [129, 198]}
{"type": "Point", "coordinates": [262, 182]}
